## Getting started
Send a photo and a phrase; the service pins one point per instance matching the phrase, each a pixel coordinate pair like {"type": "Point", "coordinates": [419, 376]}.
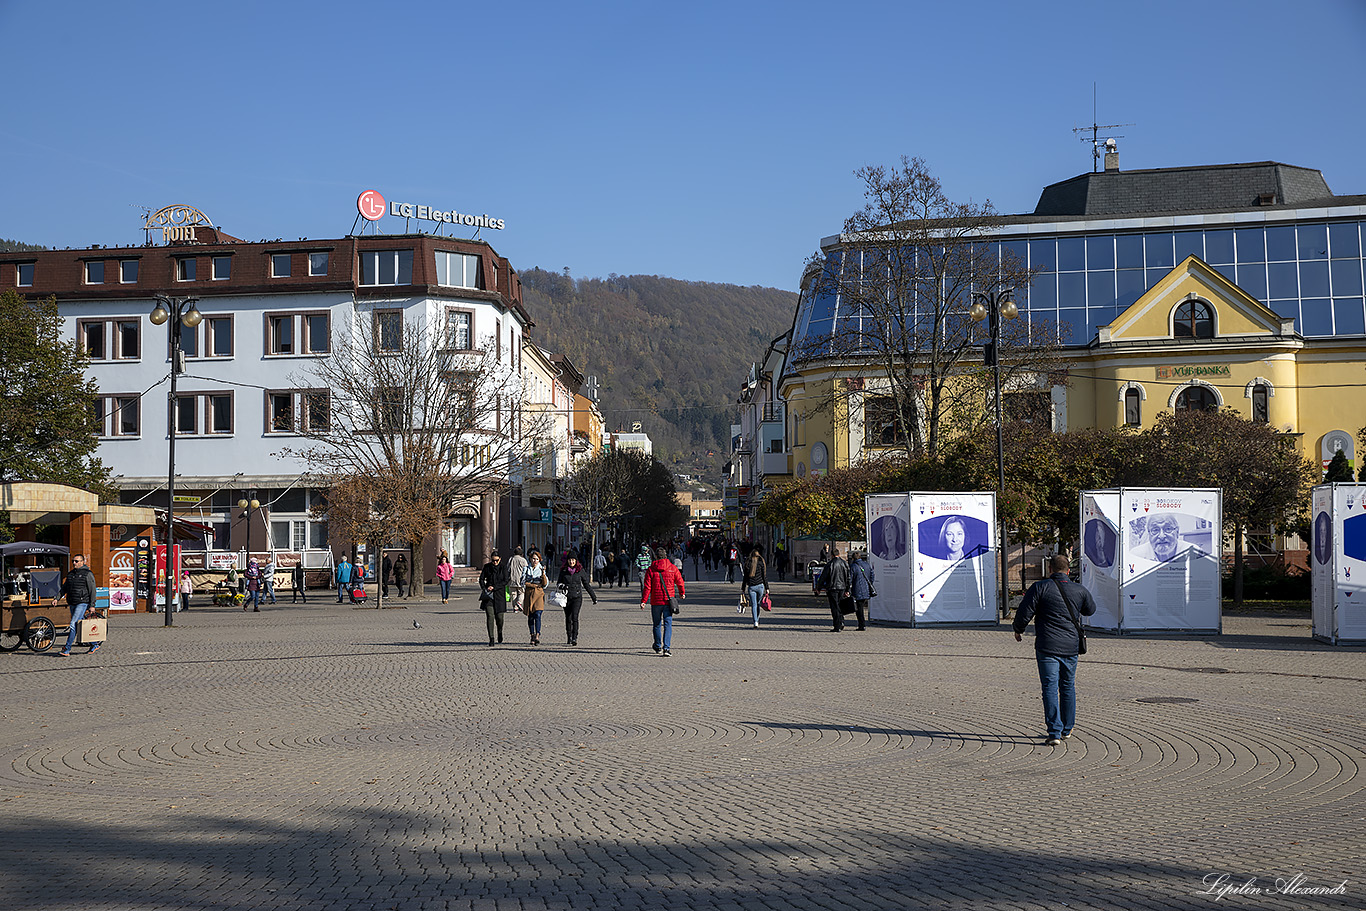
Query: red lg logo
{"type": "Point", "coordinates": [371, 205]}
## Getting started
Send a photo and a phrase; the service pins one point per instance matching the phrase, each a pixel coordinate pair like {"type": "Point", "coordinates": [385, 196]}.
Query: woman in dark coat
{"type": "Point", "coordinates": [574, 582]}
{"type": "Point", "coordinates": [493, 583]}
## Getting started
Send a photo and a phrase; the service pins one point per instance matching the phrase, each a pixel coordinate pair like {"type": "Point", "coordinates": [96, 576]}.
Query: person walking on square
{"type": "Point", "coordinates": [732, 558]}
{"type": "Point", "coordinates": [268, 578]}
{"type": "Point", "coordinates": [493, 584]}
{"type": "Point", "coordinates": [186, 589]}
{"type": "Point", "coordinates": [517, 579]}
{"type": "Point", "coordinates": [599, 567]}
{"type": "Point", "coordinates": [445, 572]}
{"type": "Point", "coordinates": [233, 581]}
{"type": "Point", "coordinates": [780, 561]}
{"type": "Point", "coordinates": [253, 577]}
{"type": "Point", "coordinates": [401, 574]}
{"type": "Point", "coordinates": [623, 568]}
{"type": "Point", "coordinates": [835, 580]}
{"type": "Point", "coordinates": [343, 579]}
{"type": "Point", "coordinates": [643, 562]}
{"type": "Point", "coordinates": [533, 603]}
{"type": "Point", "coordinates": [860, 586]}
{"type": "Point", "coordinates": [386, 570]}
{"type": "Point", "coordinates": [79, 589]}
{"type": "Point", "coordinates": [755, 581]}
{"type": "Point", "coordinates": [662, 580]}
{"type": "Point", "coordinates": [1054, 604]}
{"type": "Point", "coordinates": [574, 582]}
{"type": "Point", "coordinates": [297, 583]}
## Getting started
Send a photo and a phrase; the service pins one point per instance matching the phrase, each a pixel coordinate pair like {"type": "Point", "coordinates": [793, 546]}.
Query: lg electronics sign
{"type": "Point", "coordinates": [371, 205]}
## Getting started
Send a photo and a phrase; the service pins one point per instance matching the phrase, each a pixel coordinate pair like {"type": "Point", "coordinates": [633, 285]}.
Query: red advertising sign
{"type": "Point", "coordinates": [370, 204]}
{"type": "Point", "coordinates": [161, 573]}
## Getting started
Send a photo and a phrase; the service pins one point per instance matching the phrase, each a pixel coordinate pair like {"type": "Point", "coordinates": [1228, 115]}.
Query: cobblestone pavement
{"type": "Point", "coordinates": [324, 757]}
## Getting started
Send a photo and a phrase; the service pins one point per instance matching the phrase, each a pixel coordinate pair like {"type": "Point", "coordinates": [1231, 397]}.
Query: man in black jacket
{"type": "Point", "coordinates": [1054, 604]}
{"type": "Point", "coordinates": [79, 589]}
{"type": "Point", "coordinates": [835, 580]}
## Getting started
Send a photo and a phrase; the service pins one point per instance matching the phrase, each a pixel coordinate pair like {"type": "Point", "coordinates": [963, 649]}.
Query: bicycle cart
{"type": "Point", "coordinates": [34, 625]}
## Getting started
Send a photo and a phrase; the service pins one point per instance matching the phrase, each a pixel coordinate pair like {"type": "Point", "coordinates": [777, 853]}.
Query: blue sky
{"type": "Point", "coordinates": [705, 141]}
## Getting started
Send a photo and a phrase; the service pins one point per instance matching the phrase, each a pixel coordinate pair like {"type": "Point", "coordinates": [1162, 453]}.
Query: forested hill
{"type": "Point", "coordinates": [670, 354]}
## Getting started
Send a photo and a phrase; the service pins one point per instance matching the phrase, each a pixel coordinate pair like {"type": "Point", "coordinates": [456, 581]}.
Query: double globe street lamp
{"type": "Point", "coordinates": [174, 313]}
{"type": "Point", "coordinates": [995, 306]}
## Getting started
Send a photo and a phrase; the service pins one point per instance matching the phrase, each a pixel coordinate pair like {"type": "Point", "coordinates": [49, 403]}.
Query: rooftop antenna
{"type": "Point", "coordinates": [1094, 129]}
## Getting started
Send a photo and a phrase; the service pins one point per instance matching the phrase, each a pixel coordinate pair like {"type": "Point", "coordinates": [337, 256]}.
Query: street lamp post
{"type": "Point", "coordinates": [995, 306]}
{"type": "Point", "coordinates": [247, 504]}
{"type": "Point", "coordinates": [174, 313]}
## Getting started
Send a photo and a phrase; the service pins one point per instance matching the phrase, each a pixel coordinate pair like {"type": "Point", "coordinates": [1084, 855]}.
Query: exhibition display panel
{"type": "Point", "coordinates": [933, 557]}
{"type": "Point", "coordinates": [1151, 558]}
{"type": "Point", "coordinates": [1337, 553]}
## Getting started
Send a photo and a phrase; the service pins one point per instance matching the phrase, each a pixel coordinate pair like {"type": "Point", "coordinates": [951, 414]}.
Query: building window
{"type": "Point", "coordinates": [317, 405]}
{"type": "Point", "coordinates": [117, 415]}
{"type": "Point", "coordinates": [204, 413]}
{"type": "Point", "coordinates": [317, 263]}
{"type": "Point", "coordinates": [128, 271]}
{"type": "Point", "coordinates": [218, 338]}
{"type": "Point", "coordinates": [280, 334]}
{"type": "Point", "coordinates": [26, 275]}
{"type": "Point", "coordinates": [185, 269]}
{"type": "Point", "coordinates": [219, 413]}
{"type": "Point", "coordinates": [1196, 398]}
{"type": "Point", "coordinates": [187, 414]}
{"type": "Point", "coordinates": [280, 406]}
{"type": "Point", "coordinates": [280, 265]}
{"type": "Point", "coordinates": [1032, 407]}
{"type": "Point", "coordinates": [458, 325]}
{"type": "Point", "coordinates": [879, 422]}
{"type": "Point", "coordinates": [125, 333]}
{"type": "Point", "coordinates": [222, 268]}
{"type": "Point", "coordinates": [91, 335]}
{"type": "Point", "coordinates": [386, 267]}
{"type": "Point", "coordinates": [189, 341]}
{"type": "Point", "coordinates": [388, 331]}
{"type": "Point", "coordinates": [459, 270]}
{"type": "Point", "coordinates": [94, 272]}
{"type": "Point", "coordinates": [317, 335]}
{"type": "Point", "coordinates": [1133, 408]}
{"type": "Point", "coordinates": [1261, 413]}
{"type": "Point", "coordinates": [1193, 319]}
{"type": "Point", "coordinates": [128, 332]}
{"type": "Point", "coordinates": [388, 410]}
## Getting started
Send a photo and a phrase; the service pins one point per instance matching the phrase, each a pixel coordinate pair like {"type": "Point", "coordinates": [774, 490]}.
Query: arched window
{"type": "Point", "coordinates": [1196, 398]}
{"type": "Point", "coordinates": [1133, 408]}
{"type": "Point", "coordinates": [1260, 412]}
{"type": "Point", "coordinates": [1193, 319]}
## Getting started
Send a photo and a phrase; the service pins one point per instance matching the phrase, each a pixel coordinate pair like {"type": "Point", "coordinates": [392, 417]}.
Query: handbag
{"type": "Point", "coordinates": [670, 600]}
{"type": "Point", "coordinates": [766, 603]}
{"type": "Point", "coordinates": [846, 605]}
{"type": "Point", "coordinates": [743, 605]}
{"type": "Point", "coordinates": [559, 599]}
{"type": "Point", "coordinates": [1081, 633]}
{"type": "Point", "coordinates": [93, 630]}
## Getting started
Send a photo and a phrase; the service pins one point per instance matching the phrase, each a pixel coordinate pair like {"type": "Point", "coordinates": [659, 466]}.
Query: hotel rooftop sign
{"type": "Point", "coordinates": [177, 223]}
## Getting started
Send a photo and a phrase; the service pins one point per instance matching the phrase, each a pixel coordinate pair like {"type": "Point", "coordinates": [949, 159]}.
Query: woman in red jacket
{"type": "Point", "coordinates": [662, 579]}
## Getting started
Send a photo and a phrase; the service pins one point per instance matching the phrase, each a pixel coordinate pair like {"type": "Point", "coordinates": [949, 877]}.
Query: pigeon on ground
{"type": "Point", "coordinates": [417, 625]}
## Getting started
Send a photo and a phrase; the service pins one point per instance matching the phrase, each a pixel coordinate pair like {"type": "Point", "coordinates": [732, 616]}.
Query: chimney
{"type": "Point", "coordinates": [1111, 156]}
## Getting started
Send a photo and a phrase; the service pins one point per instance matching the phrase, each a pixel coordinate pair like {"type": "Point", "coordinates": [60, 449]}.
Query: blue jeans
{"type": "Point", "coordinates": [254, 598]}
{"type": "Point", "coordinates": [756, 593]}
{"type": "Point", "coordinates": [269, 587]}
{"type": "Point", "coordinates": [1058, 676]}
{"type": "Point", "coordinates": [343, 591]}
{"type": "Point", "coordinates": [77, 615]}
{"type": "Point", "coordinates": [662, 617]}
{"type": "Point", "coordinates": [533, 622]}
{"type": "Point", "coordinates": [445, 589]}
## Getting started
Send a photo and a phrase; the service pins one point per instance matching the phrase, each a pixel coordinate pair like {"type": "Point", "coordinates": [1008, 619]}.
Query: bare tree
{"type": "Point", "coordinates": [898, 292]}
{"type": "Point", "coordinates": [402, 427]}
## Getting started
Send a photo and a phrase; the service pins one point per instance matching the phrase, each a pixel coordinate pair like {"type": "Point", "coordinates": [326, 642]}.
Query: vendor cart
{"type": "Point", "coordinates": [36, 625]}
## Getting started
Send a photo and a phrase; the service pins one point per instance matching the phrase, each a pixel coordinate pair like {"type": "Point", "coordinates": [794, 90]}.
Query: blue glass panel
{"type": "Point", "coordinates": [1153, 276]}
{"type": "Point", "coordinates": [1100, 252]}
{"type": "Point", "coordinates": [1280, 243]}
{"type": "Point", "coordinates": [1287, 309]}
{"type": "Point", "coordinates": [1072, 289]}
{"type": "Point", "coordinates": [1072, 326]}
{"type": "Point", "coordinates": [1071, 254]}
{"type": "Point", "coordinates": [1130, 286]}
{"type": "Point", "coordinates": [1097, 318]}
{"type": "Point", "coordinates": [1346, 277]}
{"type": "Point", "coordinates": [1343, 241]}
{"type": "Point", "coordinates": [1282, 280]}
{"type": "Point", "coordinates": [1129, 251]}
{"type": "Point", "coordinates": [1043, 255]}
{"type": "Point", "coordinates": [1251, 245]}
{"type": "Point", "coordinates": [823, 304]}
{"type": "Point", "coordinates": [1190, 243]}
{"type": "Point", "coordinates": [1100, 289]}
{"type": "Point", "coordinates": [1019, 249]}
{"type": "Point", "coordinates": [1229, 272]}
{"type": "Point", "coordinates": [1252, 279]}
{"type": "Point", "coordinates": [1313, 279]}
{"type": "Point", "coordinates": [1316, 316]}
{"type": "Point", "coordinates": [1218, 247]}
{"type": "Point", "coordinates": [1043, 293]}
{"type": "Point", "coordinates": [1349, 316]}
{"type": "Point", "coordinates": [820, 329]}
{"type": "Point", "coordinates": [1313, 243]}
{"type": "Point", "coordinates": [1157, 251]}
